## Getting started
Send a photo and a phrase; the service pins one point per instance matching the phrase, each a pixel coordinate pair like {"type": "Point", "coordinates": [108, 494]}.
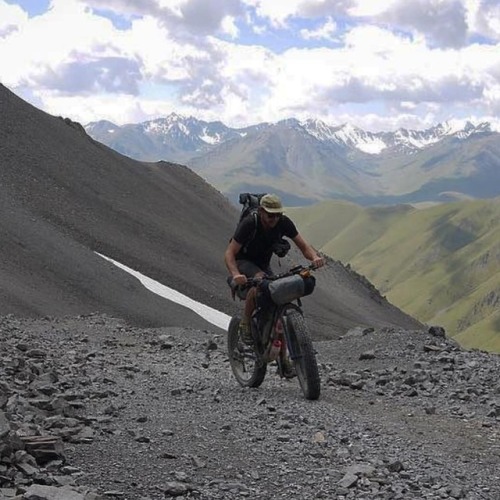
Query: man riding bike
{"type": "Point", "coordinates": [249, 252]}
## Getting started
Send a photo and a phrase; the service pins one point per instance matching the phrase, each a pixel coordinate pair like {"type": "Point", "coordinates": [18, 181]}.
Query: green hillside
{"type": "Point", "coordinates": [317, 223]}
{"type": "Point", "coordinates": [441, 264]}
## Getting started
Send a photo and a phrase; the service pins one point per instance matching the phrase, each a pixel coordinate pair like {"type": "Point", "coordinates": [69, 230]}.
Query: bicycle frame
{"type": "Point", "coordinates": [265, 331]}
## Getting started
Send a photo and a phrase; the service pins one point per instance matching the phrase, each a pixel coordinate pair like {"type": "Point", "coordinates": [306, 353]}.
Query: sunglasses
{"type": "Point", "coordinates": [273, 216]}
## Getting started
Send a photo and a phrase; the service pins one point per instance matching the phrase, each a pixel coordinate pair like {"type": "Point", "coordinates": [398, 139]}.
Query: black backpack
{"type": "Point", "coordinates": [251, 202]}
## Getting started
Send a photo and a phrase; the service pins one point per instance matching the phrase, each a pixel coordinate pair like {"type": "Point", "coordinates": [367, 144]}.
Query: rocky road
{"type": "Point", "coordinates": [92, 408]}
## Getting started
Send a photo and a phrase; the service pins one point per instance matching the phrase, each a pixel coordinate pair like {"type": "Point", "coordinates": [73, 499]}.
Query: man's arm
{"type": "Point", "coordinates": [230, 259]}
{"type": "Point", "coordinates": [308, 251]}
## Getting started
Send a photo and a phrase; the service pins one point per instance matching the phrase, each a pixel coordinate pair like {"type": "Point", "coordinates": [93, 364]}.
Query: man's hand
{"type": "Point", "coordinates": [239, 279]}
{"type": "Point", "coordinates": [318, 262]}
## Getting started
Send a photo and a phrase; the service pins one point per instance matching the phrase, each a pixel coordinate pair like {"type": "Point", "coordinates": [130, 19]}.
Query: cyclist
{"type": "Point", "coordinates": [249, 252]}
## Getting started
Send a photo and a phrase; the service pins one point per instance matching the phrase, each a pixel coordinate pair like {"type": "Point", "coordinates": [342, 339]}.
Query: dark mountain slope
{"type": "Point", "coordinates": [65, 196]}
{"type": "Point", "coordinates": [43, 272]}
{"type": "Point", "coordinates": [63, 192]}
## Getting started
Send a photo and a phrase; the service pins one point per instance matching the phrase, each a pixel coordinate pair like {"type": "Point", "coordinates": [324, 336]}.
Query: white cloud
{"type": "Point", "coordinates": [59, 41]}
{"type": "Point", "coordinates": [117, 108]}
{"type": "Point", "coordinates": [442, 22]}
{"type": "Point", "coordinates": [246, 74]}
{"type": "Point", "coordinates": [370, 8]}
{"type": "Point", "coordinates": [276, 12]}
{"type": "Point", "coordinates": [484, 17]}
{"type": "Point", "coordinates": [216, 60]}
{"type": "Point", "coordinates": [324, 32]}
{"type": "Point", "coordinates": [194, 17]}
{"type": "Point", "coordinates": [228, 26]}
{"type": "Point", "coordinates": [202, 17]}
{"type": "Point", "coordinates": [12, 18]}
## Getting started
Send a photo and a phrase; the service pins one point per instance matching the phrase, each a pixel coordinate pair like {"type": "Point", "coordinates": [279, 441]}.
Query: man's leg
{"type": "Point", "coordinates": [251, 299]}
{"type": "Point", "coordinates": [250, 270]}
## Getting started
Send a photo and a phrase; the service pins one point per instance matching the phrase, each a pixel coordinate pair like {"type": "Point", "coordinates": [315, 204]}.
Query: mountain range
{"type": "Point", "coordinates": [310, 161]}
{"type": "Point", "coordinates": [66, 199]}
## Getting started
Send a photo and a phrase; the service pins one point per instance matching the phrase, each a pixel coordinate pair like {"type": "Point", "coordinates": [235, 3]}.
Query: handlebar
{"type": "Point", "coordinates": [256, 281]}
{"type": "Point", "coordinates": [299, 269]}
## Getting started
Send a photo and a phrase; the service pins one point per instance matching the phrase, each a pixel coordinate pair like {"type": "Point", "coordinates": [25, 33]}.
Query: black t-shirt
{"type": "Point", "coordinates": [259, 248]}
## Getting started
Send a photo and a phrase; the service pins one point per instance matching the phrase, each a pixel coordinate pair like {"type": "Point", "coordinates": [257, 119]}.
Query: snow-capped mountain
{"type": "Point", "coordinates": [175, 137]}
{"type": "Point", "coordinates": [315, 160]}
{"type": "Point", "coordinates": [346, 135]}
{"type": "Point", "coordinates": [402, 139]}
{"type": "Point", "coordinates": [188, 130]}
{"type": "Point", "coordinates": [188, 135]}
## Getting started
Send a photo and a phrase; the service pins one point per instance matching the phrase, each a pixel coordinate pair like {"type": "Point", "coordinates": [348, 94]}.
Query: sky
{"type": "Point", "coordinates": [375, 64]}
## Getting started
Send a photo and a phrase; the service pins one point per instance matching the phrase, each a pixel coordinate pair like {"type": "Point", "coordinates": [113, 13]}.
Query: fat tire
{"type": "Point", "coordinates": [246, 367]}
{"type": "Point", "coordinates": [305, 362]}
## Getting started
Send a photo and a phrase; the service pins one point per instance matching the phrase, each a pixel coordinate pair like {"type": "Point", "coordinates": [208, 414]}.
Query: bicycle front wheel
{"type": "Point", "coordinates": [302, 354]}
{"type": "Point", "coordinates": [246, 366]}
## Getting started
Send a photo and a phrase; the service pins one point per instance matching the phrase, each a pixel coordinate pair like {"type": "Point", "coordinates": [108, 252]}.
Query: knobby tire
{"type": "Point", "coordinates": [248, 370]}
{"type": "Point", "coordinates": [303, 353]}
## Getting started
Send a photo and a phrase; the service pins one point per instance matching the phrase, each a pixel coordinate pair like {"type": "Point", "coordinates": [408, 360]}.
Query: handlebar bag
{"type": "Point", "coordinates": [291, 288]}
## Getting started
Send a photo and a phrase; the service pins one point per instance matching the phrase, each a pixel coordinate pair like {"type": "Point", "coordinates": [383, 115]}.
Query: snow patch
{"type": "Point", "coordinates": [213, 316]}
{"type": "Point", "coordinates": [373, 148]}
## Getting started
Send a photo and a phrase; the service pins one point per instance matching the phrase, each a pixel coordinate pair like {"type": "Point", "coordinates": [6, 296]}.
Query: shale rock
{"type": "Point", "coordinates": [91, 408]}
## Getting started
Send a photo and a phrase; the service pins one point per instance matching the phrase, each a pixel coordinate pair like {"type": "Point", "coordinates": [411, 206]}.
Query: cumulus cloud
{"type": "Point", "coordinates": [279, 12]}
{"type": "Point", "coordinates": [80, 38]}
{"type": "Point", "coordinates": [324, 32]}
{"type": "Point", "coordinates": [202, 17]}
{"type": "Point", "coordinates": [376, 66]}
{"type": "Point", "coordinates": [443, 22]}
{"type": "Point", "coordinates": [12, 17]}
{"type": "Point", "coordinates": [245, 61]}
{"type": "Point", "coordinates": [321, 8]}
{"type": "Point", "coordinates": [276, 13]}
{"type": "Point", "coordinates": [484, 16]}
{"type": "Point", "coordinates": [83, 75]}
{"type": "Point", "coordinates": [7, 29]}
{"type": "Point", "coordinates": [117, 108]}
{"type": "Point", "coordinates": [194, 17]}
{"type": "Point", "coordinates": [126, 7]}
{"type": "Point", "coordinates": [409, 88]}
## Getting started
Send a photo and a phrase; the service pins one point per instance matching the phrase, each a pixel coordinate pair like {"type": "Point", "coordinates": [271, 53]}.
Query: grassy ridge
{"type": "Point", "coordinates": [441, 264]}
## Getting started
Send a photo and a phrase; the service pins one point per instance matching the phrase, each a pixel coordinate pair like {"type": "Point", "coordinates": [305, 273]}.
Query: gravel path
{"type": "Point", "coordinates": [156, 413]}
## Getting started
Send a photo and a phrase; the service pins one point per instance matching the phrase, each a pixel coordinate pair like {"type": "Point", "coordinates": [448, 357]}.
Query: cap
{"type": "Point", "coordinates": [271, 204]}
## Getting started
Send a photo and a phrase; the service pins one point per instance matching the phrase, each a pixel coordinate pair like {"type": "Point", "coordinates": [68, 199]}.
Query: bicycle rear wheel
{"type": "Point", "coordinates": [302, 354]}
{"type": "Point", "coordinates": [247, 368]}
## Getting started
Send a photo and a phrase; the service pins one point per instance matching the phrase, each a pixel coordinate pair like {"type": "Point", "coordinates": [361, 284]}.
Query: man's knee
{"type": "Point", "coordinates": [249, 269]}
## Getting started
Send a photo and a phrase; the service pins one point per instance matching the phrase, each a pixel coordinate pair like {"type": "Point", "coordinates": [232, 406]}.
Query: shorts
{"type": "Point", "coordinates": [249, 269]}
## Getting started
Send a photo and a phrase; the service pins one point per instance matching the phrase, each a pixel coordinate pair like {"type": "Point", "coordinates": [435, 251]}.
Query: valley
{"type": "Point", "coordinates": [440, 264]}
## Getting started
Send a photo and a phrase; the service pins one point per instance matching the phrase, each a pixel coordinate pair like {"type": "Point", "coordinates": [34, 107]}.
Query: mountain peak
{"type": "Point", "coordinates": [188, 135]}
